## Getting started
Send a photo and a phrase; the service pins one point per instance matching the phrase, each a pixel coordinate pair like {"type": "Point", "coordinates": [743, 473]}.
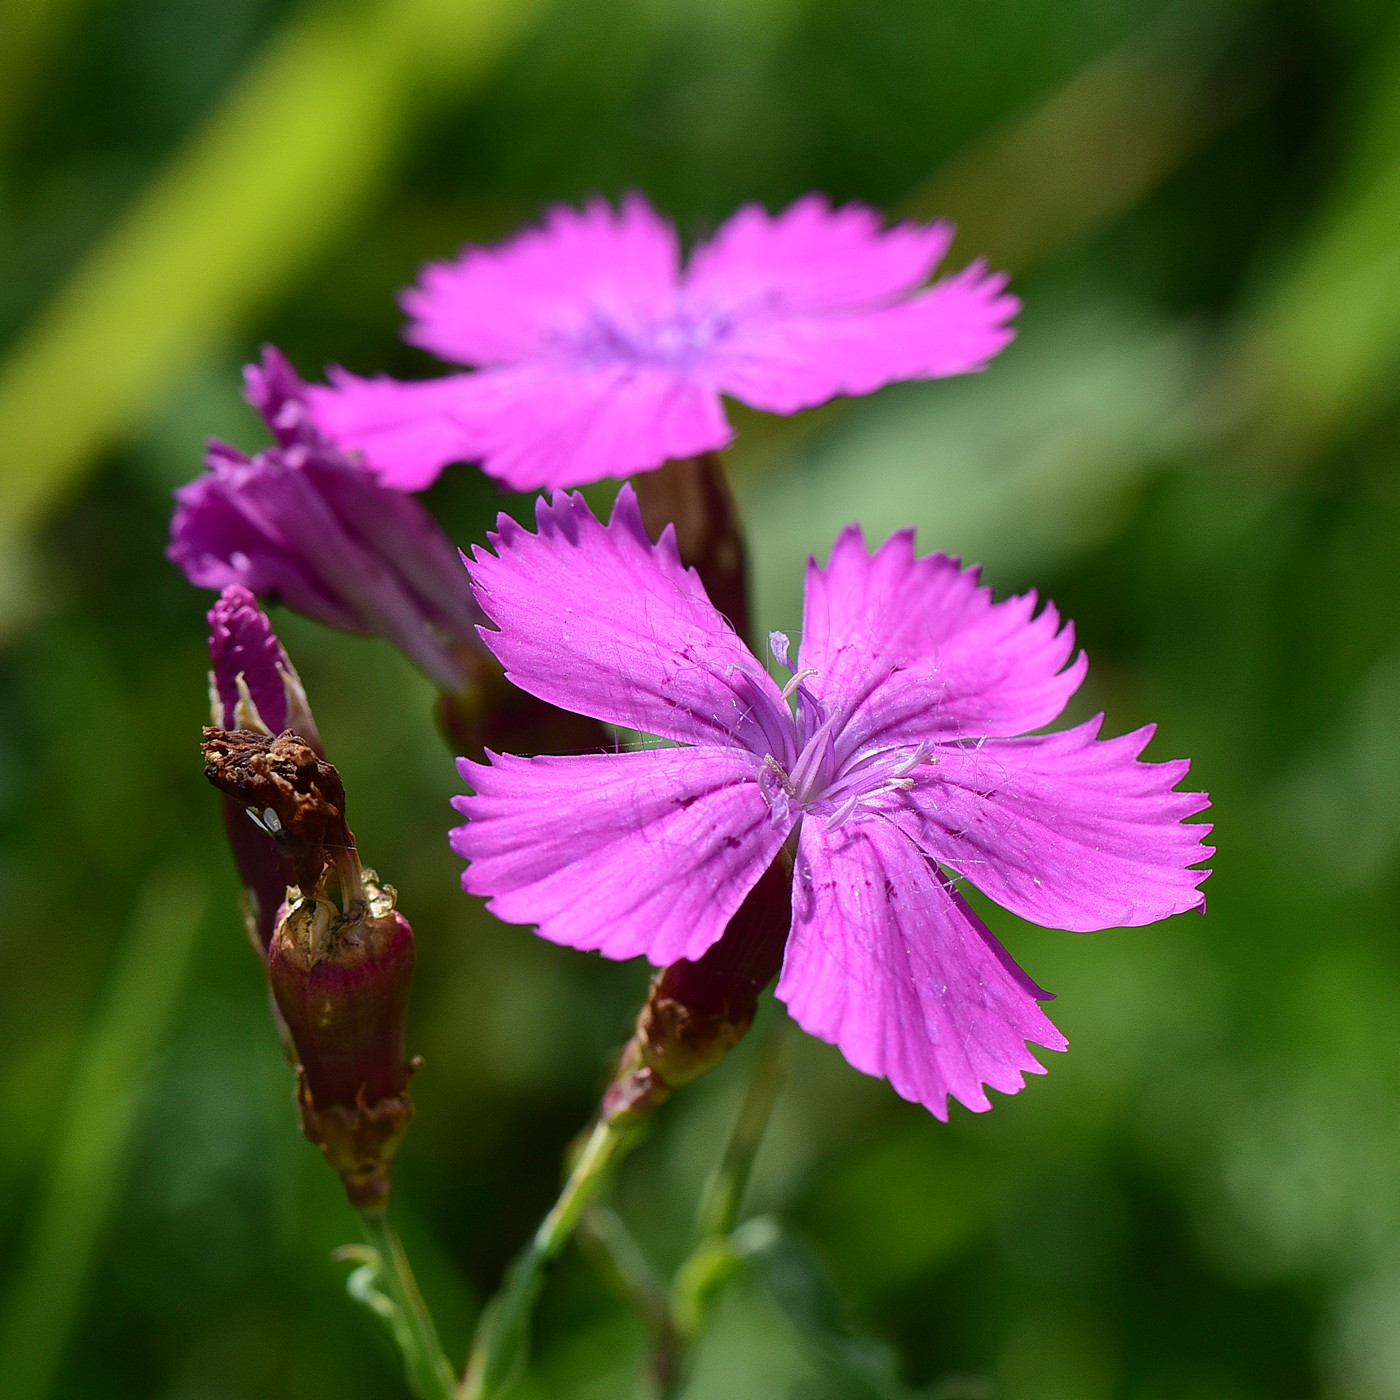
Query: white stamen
{"type": "Point", "coordinates": [920, 755]}
{"type": "Point", "coordinates": [797, 680]}
{"type": "Point", "coordinates": [245, 711]}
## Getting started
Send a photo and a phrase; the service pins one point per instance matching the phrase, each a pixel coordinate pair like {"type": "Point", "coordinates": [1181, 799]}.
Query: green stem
{"type": "Point", "coordinates": [502, 1337]}
{"type": "Point", "coordinates": [724, 1192]}
{"type": "Point", "coordinates": [604, 1234]}
{"type": "Point", "coordinates": [429, 1372]}
{"type": "Point", "coordinates": [714, 1258]}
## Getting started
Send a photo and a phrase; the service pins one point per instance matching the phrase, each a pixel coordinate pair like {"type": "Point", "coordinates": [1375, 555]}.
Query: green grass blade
{"type": "Point", "coordinates": [252, 200]}
{"type": "Point", "coordinates": [96, 1131]}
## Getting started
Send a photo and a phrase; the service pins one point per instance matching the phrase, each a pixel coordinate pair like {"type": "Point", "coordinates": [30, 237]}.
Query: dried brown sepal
{"type": "Point", "coordinates": [360, 1141]}
{"type": "Point", "coordinates": [294, 794]}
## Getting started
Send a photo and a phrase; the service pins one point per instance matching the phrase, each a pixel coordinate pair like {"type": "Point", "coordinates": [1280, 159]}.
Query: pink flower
{"type": "Point", "coordinates": [895, 763]}
{"type": "Point", "coordinates": [302, 523]}
{"type": "Point", "coordinates": [598, 356]}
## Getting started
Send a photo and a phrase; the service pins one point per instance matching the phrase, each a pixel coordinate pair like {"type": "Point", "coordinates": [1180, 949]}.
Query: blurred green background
{"type": "Point", "coordinates": [1194, 447]}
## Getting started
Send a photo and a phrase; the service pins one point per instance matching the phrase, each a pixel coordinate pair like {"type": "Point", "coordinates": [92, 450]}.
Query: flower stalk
{"type": "Point", "coordinates": [503, 1335]}
{"type": "Point", "coordinates": [392, 1290]}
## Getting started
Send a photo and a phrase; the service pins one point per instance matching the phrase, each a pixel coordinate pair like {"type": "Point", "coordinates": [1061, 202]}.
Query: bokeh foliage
{"type": "Point", "coordinates": [1192, 447]}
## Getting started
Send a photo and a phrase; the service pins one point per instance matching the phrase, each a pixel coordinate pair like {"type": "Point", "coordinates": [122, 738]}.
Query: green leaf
{"type": "Point", "coordinates": [802, 1290]}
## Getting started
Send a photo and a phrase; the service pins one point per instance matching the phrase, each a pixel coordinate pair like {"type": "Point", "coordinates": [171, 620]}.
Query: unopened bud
{"type": "Point", "coordinates": [254, 686]}
{"type": "Point", "coordinates": [697, 1011]}
{"type": "Point", "coordinates": [341, 982]}
{"type": "Point", "coordinates": [304, 522]}
{"type": "Point", "coordinates": [339, 970]}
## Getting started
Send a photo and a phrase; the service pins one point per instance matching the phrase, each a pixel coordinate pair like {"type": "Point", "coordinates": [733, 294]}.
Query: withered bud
{"type": "Point", "coordinates": [341, 981]}
{"type": "Point", "coordinates": [254, 686]}
{"type": "Point", "coordinates": [693, 494]}
{"type": "Point", "coordinates": [339, 972]}
{"type": "Point", "coordinates": [291, 792]}
{"type": "Point", "coordinates": [697, 1011]}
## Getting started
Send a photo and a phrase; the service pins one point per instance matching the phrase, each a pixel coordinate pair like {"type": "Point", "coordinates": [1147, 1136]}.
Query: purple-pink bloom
{"type": "Point", "coordinates": [896, 762]}
{"type": "Point", "coordinates": [303, 523]}
{"type": "Point", "coordinates": [599, 355]}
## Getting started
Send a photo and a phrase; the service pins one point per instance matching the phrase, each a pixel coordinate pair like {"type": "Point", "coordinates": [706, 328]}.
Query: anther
{"type": "Point", "coordinates": [778, 772]}
{"type": "Point", "coordinates": [797, 679]}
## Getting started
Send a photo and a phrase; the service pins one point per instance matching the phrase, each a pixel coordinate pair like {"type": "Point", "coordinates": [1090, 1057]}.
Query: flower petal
{"type": "Point", "coordinates": [913, 649]}
{"type": "Point", "coordinates": [646, 853]}
{"type": "Point", "coordinates": [552, 428]}
{"type": "Point", "coordinates": [539, 427]}
{"type": "Point", "coordinates": [242, 643]}
{"type": "Point", "coordinates": [521, 299]}
{"type": "Point", "coordinates": [889, 964]}
{"type": "Point", "coordinates": [595, 618]}
{"type": "Point", "coordinates": [406, 432]}
{"type": "Point", "coordinates": [784, 362]}
{"type": "Point", "coordinates": [223, 533]}
{"type": "Point", "coordinates": [1064, 829]}
{"type": "Point", "coordinates": [811, 257]}
{"type": "Point", "coordinates": [322, 534]}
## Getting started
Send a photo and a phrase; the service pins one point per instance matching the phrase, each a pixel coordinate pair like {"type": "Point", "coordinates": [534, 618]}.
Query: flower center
{"type": "Point", "coordinates": [812, 775]}
{"type": "Point", "coordinates": [608, 338]}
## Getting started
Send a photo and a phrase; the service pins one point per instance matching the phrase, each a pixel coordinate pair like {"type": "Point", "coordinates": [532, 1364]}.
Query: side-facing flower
{"type": "Point", "coordinates": [599, 355]}
{"type": "Point", "coordinates": [898, 761]}
{"type": "Point", "coordinates": [303, 523]}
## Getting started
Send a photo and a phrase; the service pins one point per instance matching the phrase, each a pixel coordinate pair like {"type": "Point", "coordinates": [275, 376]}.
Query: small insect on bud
{"type": "Point", "coordinates": [340, 961]}
{"type": "Point", "coordinates": [697, 1011]}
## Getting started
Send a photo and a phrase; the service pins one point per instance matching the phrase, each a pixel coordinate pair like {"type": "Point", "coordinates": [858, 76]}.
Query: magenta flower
{"type": "Point", "coordinates": [598, 356]}
{"type": "Point", "coordinates": [302, 523]}
{"type": "Point", "coordinates": [894, 764]}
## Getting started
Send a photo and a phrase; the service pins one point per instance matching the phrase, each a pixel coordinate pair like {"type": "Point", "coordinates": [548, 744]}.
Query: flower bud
{"type": "Point", "coordinates": [304, 522]}
{"type": "Point", "coordinates": [697, 1011]}
{"type": "Point", "coordinates": [254, 686]}
{"type": "Point", "coordinates": [341, 982]}
{"type": "Point", "coordinates": [339, 971]}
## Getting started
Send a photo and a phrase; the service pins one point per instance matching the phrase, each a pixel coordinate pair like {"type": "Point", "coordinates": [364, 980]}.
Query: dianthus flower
{"type": "Point", "coordinates": [896, 762]}
{"type": "Point", "coordinates": [303, 523]}
{"type": "Point", "coordinates": [600, 356]}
